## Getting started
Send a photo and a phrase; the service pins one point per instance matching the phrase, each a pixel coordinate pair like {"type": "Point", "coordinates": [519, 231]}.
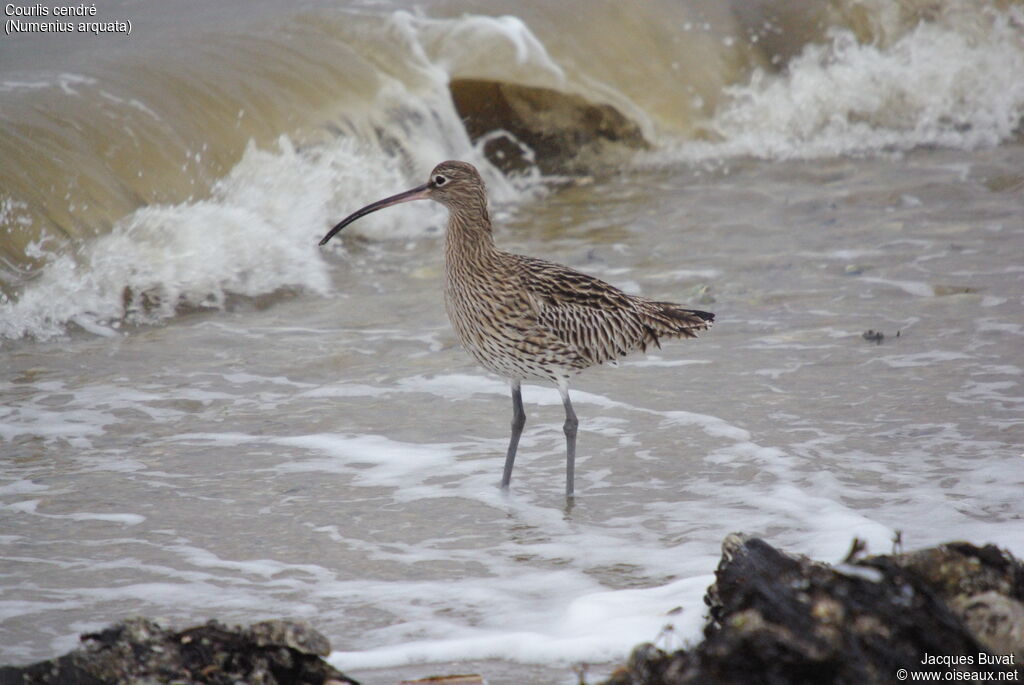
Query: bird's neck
{"type": "Point", "coordinates": [469, 238]}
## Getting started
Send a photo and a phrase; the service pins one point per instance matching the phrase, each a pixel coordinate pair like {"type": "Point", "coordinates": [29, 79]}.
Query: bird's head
{"type": "Point", "coordinates": [456, 185]}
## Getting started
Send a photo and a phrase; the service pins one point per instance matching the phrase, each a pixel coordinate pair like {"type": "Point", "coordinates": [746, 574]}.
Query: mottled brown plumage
{"type": "Point", "coordinates": [529, 319]}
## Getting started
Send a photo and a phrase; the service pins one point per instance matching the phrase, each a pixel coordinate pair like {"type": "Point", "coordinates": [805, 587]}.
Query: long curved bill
{"type": "Point", "coordinates": [417, 193]}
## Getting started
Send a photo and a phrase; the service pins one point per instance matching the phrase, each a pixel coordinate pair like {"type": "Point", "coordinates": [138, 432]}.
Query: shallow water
{"type": "Point", "coordinates": [205, 415]}
{"type": "Point", "coordinates": [337, 458]}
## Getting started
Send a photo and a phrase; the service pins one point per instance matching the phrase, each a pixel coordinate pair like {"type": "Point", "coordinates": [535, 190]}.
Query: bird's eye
{"type": "Point", "coordinates": [440, 180]}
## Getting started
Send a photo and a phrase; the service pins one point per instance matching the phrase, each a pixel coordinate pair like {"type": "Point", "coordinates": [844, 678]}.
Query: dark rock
{"type": "Point", "coordinates": [140, 651]}
{"type": "Point", "coordinates": [873, 336]}
{"type": "Point", "coordinates": [959, 568]}
{"type": "Point", "coordinates": [780, 619]}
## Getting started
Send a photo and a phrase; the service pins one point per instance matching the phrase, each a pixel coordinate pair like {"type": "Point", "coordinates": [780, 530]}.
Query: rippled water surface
{"type": "Point", "coordinates": [203, 414]}
{"type": "Point", "coordinates": [337, 458]}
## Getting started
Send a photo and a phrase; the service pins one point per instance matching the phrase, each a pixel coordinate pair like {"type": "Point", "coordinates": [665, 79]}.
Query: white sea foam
{"type": "Point", "coordinates": [390, 534]}
{"type": "Point", "coordinates": [257, 233]}
{"type": "Point", "coordinates": [32, 507]}
{"type": "Point", "coordinates": [544, 618]}
{"type": "Point", "coordinates": [75, 426]}
{"type": "Point", "coordinates": [490, 575]}
{"type": "Point", "coordinates": [916, 288]}
{"type": "Point", "coordinates": [369, 460]}
{"type": "Point", "coordinates": [937, 84]}
{"type": "Point", "coordinates": [664, 363]}
{"type": "Point", "coordinates": [372, 459]}
{"type": "Point", "coordinates": [922, 359]}
{"type": "Point", "coordinates": [266, 569]}
{"type": "Point", "coordinates": [953, 82]}
{"type": "Point", "coordinates": [19, 487]}
{"type": "Point", "coordinates": [126, 519]}
{"type": "Point", "coordinates": [348, 390]}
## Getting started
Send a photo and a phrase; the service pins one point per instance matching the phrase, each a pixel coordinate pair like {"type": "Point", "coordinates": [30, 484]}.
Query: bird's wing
{"type": "Point", "coordinates": [598, 320]}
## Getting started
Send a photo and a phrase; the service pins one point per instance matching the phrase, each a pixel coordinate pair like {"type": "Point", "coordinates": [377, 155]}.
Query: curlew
{"type": "Point", "coordinates": [529, 319]}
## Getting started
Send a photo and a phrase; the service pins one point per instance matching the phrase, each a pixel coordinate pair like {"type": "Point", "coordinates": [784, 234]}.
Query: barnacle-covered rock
{"type": "Point", "coordinates": [784, 619]}
{"type": "Point", "coordinates": [139, 651]}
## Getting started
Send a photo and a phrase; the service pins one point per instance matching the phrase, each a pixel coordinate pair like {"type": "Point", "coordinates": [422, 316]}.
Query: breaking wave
{"type": "Point", "coordinates": [170, 178]}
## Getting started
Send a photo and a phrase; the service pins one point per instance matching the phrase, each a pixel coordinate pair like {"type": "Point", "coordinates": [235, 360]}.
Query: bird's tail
{"type": "Point", "coordinates": [671, 320]}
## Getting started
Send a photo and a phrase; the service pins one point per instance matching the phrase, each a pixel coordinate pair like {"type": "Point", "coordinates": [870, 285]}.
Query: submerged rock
{"type": "Point", "coordinates": [783, 619]}
{"type": "Point", "coordinates": [140, 651]}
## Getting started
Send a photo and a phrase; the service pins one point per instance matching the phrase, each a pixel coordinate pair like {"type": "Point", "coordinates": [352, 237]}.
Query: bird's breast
{"type": "Point", "coordinates": [497, 326]}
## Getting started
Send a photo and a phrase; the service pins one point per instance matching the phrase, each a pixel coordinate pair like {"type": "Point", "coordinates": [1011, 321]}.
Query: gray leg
{"type": "Point", "coordinates": [518, 421]}
{"type": "Point", "coordinates": [570, 439]}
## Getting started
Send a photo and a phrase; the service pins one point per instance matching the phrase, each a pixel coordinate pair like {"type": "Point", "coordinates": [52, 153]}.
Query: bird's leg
{"type": "Point", "coordinates": [518, 421]}
{"type": "Point", "coordinates": [571, 422]}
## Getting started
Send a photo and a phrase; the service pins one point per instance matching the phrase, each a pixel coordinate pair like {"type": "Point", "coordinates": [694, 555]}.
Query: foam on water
{"type": "Point", "coordinates": [573, 623]}
{"type": "Point", "coordinates": [370, 460]}
{"type": "Point", "coordinates": [552, 609]}
{"type": "Point", "coordinates": [557, 615]}
{"type": "Point", "coordinates": [337, 458]}
{"type": "Point", "coordinates": [257, 233]}
{"type": "Point", "coordinates": [953, 82]}
{"type": "Point", "coordinates": [538, 595]}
